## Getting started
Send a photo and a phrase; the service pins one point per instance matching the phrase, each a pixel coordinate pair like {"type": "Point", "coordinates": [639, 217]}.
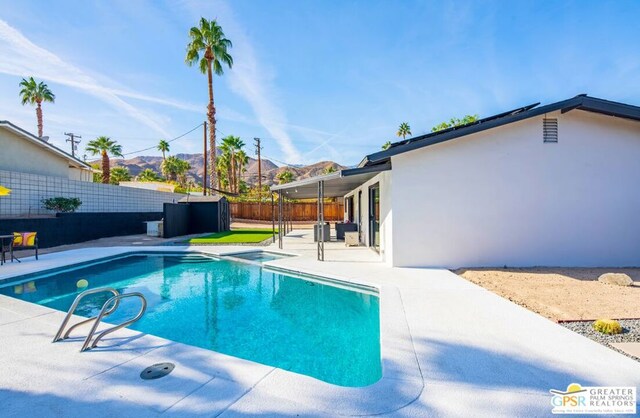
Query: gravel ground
{"type": "Point", "coordinates": [630, 333]}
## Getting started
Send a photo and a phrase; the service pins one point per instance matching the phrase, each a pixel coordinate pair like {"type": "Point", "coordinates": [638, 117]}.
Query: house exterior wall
{"type": "Point", "coordinates": [20, 155]}
{"type": "Point", "coordinates": [80, 174]}
{"type": "Point", "coordinates": [386, 216]}
{"type": "Point", "coordinates": [504, 197]}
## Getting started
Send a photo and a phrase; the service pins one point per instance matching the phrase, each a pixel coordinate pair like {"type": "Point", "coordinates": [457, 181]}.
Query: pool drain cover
{"type": "Point", "coordinates": [157, 371]}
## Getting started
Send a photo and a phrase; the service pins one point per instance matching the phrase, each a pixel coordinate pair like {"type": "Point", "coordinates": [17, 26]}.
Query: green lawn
{"type": "Point", "coordinates": [236, 236]}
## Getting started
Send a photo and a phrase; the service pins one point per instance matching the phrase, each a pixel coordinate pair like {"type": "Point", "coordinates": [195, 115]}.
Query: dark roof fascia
{"type": "Point", "coordinates": [384, 166]}
{"type": "Point", "coordinates": [45, 143]}
{"type": "Point", "coordinates": [438, 137]}
{"type": "Point", "coordinates": [606, 107]}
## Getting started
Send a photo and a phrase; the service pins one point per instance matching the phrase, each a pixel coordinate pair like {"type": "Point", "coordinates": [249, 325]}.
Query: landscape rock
{"type": "Point", "coordinates": [617, 279]}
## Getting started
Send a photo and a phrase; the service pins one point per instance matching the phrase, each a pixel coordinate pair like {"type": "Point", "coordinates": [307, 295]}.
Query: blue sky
{"type": "Point", "coordinates": [315, 80]}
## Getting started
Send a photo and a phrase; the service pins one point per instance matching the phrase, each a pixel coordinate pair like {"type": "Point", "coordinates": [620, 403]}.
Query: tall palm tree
{"type": "Point", "coordinates": [242, 160]}
{"type": "Point", "coordinates": [33, 92]}
{"type": "Point", "coordinates": [232, 145]}
{"type": "Point", "coordinates": [104, 146]}
{"type": "Point", "coordinates": [208, 39]}
{"type": "Point", "coordinates": [223, 169]}
{"type": "Point", "coordinates": [163, 146]}
{"type": "Point", "coordinates": [403, 130]}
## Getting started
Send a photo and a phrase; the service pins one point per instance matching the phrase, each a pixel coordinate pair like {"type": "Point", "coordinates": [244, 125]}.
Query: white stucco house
{"type": "Point", "coordinates": [23, 152]}
{"type": "Point", "coordinates": [553, 185]}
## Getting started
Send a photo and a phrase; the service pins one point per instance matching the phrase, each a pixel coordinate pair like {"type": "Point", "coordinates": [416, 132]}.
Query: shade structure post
{"type": "Point", "coordinates": [286, 216]}
{"type": "Point", "coordinates": [320, 233]}
{"type": "Point", "coordinates": [291, 215]}
{"type": "Point", "coordinates": [273, 218]}
{"type": "Point", "coordinates": [280, 219]}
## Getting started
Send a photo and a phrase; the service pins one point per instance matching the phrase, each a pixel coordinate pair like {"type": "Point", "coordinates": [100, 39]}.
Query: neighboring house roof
{"type": "Point", "coordinates": [201, 199]}
{"type": "Point", "coordinates": [158, 186]}
{"type": "Point", "coordinates": [43, 144]}
{"type": "Point", "coordinates": [582, 102]}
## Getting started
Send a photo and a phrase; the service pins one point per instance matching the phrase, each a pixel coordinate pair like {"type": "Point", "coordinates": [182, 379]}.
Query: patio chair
{"type": "Point", "coordinates": [25, 241]}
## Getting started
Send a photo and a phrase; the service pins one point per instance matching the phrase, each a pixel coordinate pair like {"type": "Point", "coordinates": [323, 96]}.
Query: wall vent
{"type": "Point", "coordinates": [550, 130]}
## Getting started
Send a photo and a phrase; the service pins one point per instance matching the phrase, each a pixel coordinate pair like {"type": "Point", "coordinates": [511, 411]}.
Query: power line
{"type": "Point", "coordinates": [73, 141]}
{"type": "Point", "coordinates": [171, 140]}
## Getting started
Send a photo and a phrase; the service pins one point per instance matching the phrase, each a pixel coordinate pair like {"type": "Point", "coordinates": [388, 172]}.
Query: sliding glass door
{"type": "Point", "coordinates": [374, 216]}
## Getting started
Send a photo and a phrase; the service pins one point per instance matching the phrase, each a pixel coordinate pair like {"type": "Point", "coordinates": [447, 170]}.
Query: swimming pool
{"type": "Point", "coordinates": [259, 256]}
{"type": "Point", "coordinates": [244, 310]}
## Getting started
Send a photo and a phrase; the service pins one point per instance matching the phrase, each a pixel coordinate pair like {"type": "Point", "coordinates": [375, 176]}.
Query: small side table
{"type": "Point", "coordinates": [351, 238]}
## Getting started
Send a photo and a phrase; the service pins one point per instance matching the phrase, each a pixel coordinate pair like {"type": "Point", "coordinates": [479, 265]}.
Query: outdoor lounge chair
{"type": "Point", "coordinates": [25, 241]}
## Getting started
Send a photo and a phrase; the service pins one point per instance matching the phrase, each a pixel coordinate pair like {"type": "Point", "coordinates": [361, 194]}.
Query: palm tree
{"type": "Point", "coordinates": [119, 174]}
{"type": "Point", "coordinates": [242, 159]}
{"type": "Point", "coordinates": [403, 130]}
{"type": "Point", "coordinates": [386, 145]}
{"type": "Point", "coordinates": [182, 167]}
{"type": "Point", "coordinates": [104, 146]}
{"type": "Point", "coordinates": [224, 171]}
{"type": "Point", "coordinates": [230, 147]}
{"type": "Point", "coordinates": [222, 168]}
{"type": "Point", "coordinates": [174, 168]}
{"type": "Point", "coordinates": [36, 93]}
{"type": "Point", "coordinates": [208, 39]}
{"type": "Point", "coordinates": [163, 146]}
{"type": "Point", "coordinates": [285, 176]}
{"type": "Point", "coordinates": [148, 175]}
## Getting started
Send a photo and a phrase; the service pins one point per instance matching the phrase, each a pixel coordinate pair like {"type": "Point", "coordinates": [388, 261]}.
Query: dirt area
{"type": "Point", "coordinates": [562, 293]}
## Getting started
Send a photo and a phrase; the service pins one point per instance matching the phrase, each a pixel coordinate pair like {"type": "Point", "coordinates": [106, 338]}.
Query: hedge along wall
{"type": "Point", "coordinates": [28, 190]}
{"type": "Point", "coordinates": [71, 228]}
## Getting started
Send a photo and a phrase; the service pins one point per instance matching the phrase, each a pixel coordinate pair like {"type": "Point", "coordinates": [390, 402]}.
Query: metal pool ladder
{"type": "Point", "coordinates": [108, 308]}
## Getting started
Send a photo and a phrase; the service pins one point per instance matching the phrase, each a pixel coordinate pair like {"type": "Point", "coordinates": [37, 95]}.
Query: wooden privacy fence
{"type": "Point", "coordinates": [299, 211]}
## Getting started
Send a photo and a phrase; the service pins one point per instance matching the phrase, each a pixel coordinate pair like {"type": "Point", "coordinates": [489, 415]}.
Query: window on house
{"type": "Point", "coordinates": [550, 130]}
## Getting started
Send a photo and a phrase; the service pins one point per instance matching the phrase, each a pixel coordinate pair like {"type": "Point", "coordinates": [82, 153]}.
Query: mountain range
{"type": "Point", "coordinates": [270, 170]}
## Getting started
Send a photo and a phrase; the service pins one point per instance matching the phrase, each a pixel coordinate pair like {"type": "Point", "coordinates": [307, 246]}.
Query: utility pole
{"type": "Point", "coordinates": [72, 139]}
{"type": "Point", "coordinates": [258, 148]}
{"type": "Point", "coordinates": [204, 175]}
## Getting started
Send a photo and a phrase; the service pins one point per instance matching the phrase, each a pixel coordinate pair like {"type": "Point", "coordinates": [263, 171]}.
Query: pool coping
{"type": "Point", "coordinates": [401, 374]}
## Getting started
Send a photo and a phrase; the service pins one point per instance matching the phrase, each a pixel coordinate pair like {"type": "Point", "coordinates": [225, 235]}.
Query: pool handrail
{"type": "Point", "coordinates": [103, 312]}
{"type": "Point", "coordinates": [74, 306]}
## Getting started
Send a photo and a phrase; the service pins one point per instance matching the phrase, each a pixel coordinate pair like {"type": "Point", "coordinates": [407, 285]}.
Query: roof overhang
{"type": "Point", "coordinates": [580, 102]}
{"type": "Point", "coordinates": [336, 184]}
{"type": "Point", "coordinates": [73, 162]}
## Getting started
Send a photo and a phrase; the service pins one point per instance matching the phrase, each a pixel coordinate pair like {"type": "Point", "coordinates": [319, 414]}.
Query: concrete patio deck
{"type": "Point", "coordinates": [449, 347]}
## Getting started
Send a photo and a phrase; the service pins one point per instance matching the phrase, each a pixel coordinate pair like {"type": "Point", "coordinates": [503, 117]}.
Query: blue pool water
{"type": "Point", "coordinates": [259, 256]}
{"type": "Point", "coordinates": [240, 309]}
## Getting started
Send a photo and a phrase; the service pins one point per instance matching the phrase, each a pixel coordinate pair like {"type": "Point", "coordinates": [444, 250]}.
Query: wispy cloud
{"type": "Point", "coordinates": [22, 57]}
{"type": "Point", "coordinates": [252, 79]}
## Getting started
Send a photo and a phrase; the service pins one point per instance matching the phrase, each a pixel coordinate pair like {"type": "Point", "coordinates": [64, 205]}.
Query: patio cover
{"type": "Point", "coordinates": [335, 184]}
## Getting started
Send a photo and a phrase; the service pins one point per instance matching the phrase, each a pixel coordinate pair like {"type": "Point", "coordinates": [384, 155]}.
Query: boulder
{"type": "Point", "coordinates": [617, 279]}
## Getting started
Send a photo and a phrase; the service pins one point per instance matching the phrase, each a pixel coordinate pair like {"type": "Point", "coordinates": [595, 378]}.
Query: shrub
{"type": "Point", "coordinates": [62, 204]}
{"type": "Point", "coordinates": [607, 326]}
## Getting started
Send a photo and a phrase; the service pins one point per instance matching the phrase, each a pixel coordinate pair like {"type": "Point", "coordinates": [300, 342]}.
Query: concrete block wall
{"type": "Point", "coordinates": [28, 190]}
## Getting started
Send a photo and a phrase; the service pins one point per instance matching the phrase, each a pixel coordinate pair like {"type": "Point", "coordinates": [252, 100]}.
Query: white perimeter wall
{"type": "Point", "coordinates": [28, 190]}
{"type": "Point", "coordinates": [386, 223]}
{"type": "Point", "coordinates": [503, 197]}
